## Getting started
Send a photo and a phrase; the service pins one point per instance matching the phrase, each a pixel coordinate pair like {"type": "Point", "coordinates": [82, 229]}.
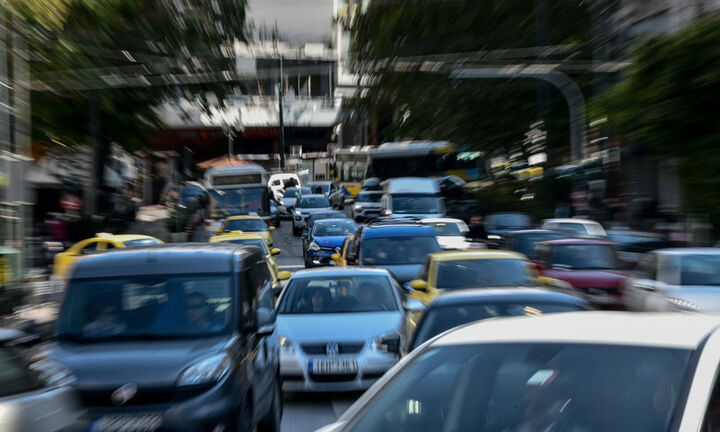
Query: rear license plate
{"type": "Point", "coordinates": [332, 366]}
{"type": "Point", "coordinates": [149, 422]}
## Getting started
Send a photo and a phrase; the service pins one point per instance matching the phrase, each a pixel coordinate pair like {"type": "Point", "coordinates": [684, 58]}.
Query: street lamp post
{"type": "Point", "coordinates": [282, 123]}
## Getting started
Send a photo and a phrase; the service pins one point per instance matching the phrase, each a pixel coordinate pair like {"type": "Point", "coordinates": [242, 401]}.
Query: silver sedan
{"type": "Point", "coordinates": [339, 329]}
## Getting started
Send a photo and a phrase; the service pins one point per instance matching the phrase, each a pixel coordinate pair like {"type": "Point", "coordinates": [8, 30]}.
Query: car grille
{"type": "Point", "coordinates": [333, 378]}
{"type": "Point", "coordinates": [103, 397]}
{"type": "Point", "coordinates": [343, 348]}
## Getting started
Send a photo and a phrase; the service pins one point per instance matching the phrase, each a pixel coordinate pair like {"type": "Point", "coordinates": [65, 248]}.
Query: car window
{"type": "Point", "coordinates": [334, 228]}
{"type": "Point", "coordinates": [313, 202]}
{"type": "Point", "coordinates": [584, 257]}
{"type": "Point", "coordinates": [368, 197]}
{"type": "Point", "coordinates": [254, 242]}
{"type": "Point", "coordinates": [483, 273]}
{"type": "Point", "coordinates": [397, 250]}
{"type": "Point", "coordinates": [90, 247]}
{"type": "Point", "coordinates": [251, 225]}
{"type": "Point", "coordinates": [525, 244]}
{"type": "Point", "coordinates": [700, 270]}
{"type": "Point", "coordinates": [333, 295]}
{"type": "Point", "coordinates": [572, 228]}
{"type": "Point", "coordinates": [138, 242]}
{"type": "Point", "coordinates": [446, 228]}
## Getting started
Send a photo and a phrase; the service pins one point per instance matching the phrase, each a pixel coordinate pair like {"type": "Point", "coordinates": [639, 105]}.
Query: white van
{"type": "Point", "coordinates": [277, 183]}
{"type": "Point", "coordinates": [412, 197]}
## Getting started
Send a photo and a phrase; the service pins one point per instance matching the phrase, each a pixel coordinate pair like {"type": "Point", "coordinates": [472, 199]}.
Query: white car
{"type": "Point", "coordinates": [304, 205]}
{"type": "Point", "coordinates": [286, 204]}
{"type": "Point", "coordinates": [451, 233]}
{"type": "Point", "coordinates": [581, 228]}
{"type": "Point", "coordinates": [276, 183]}
{"type": "Point", "coordinates": [584, 371]}
{"type": "Point", "coordinates": [676, 279]}
{"type": "Point", "coordinates": [367, 205]}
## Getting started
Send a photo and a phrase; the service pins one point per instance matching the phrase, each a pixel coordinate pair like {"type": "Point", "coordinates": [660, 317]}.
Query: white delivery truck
{"type": "Point", "coordinates": [415, 197]}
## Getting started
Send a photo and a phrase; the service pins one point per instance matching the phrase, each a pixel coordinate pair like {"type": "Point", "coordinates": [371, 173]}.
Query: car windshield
{"type": "Point", "coordinates": [338, 294]}
{"type": "Point", "coordinates": [700, 270]}
{"type": "Point", "coordinates": [245, 225]}
{"type": "Point", "coordinates": [508, 221]}
{"type": "Point", "coordinates": [15, 375]}
{"type": "Point", "coordinates": [241, 201]}
{"type": "Point", "coordinates": [294, 192]}
{"type": "Point", "coordinates": [442, 318]}
{"type": "Point", "coordinates": [141, 242]}
{"type": "Point", "coordinates": [530, 387]}
{"type": "Point", "coordinates": [368, 197]}
{"type": "Point", "coordinates": [584, 257]}
{"type": "Point", "coordinates": [253, 242]}
{"type": "Point", "coordinates": [638, 243]}
{"type": "Point", "coordinates": [415, 204]}
{"type": "Point", "coordinates": [313, 202]}
{"type": "Point", "coordinates": [397, 250]}
{"type": "Point", "coordinates": [146, 306]}
{"type": "Point", "coordinates": [334, 228]}
{"type": "Point", "coordinates": [319, 187]}
{"type": "Point", "coordinates": [191, 194]}
{"type": "Point", "coordinates": [525, 243]}
{"type": "Point", "coordinates": [446, 228]}
{"type": "Point", "coordinates": [482, 273]}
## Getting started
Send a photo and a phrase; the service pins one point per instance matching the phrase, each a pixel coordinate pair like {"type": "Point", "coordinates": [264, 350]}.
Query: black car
{"type": "Point", "coordinates": [175, 337]}
{"type": "Point", "coordinates": [524, 241]}
{"type": "Point", "coordinates": [461, 307]}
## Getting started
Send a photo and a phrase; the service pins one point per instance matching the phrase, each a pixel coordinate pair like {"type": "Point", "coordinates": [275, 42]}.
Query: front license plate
{"type": "Point", "coordinates": [128, 423]}
{"type": "Point", "coordinates": [332, 367]}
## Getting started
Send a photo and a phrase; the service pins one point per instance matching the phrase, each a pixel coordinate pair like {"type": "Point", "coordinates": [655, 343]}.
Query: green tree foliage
{"type": "Point", "coordinates": [668, 102]}
{"type": "Point", "coordinates": [487, 114]}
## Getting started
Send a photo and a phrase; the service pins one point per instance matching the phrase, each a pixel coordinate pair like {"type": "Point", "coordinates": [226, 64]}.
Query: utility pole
{"type": "Point", "coordinates": [281, 95]}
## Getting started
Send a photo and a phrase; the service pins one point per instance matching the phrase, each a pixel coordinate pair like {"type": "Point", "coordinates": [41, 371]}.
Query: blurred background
{"type": "Point", "coordinates": [597, 108]}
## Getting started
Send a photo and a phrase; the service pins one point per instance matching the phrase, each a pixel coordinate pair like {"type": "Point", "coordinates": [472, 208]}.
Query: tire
{"type": "Point", "coordinates": [296, 232]}
{"type": "Point", "coordinates": [271, 422]}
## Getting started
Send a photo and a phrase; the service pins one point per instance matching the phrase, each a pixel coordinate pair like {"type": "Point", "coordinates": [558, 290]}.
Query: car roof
{"type": "Point", "coordinates": [398, 230]}
{"type": "Point", "coordinates": [123, 237]}
{"type": "Point", "coordinates": [240, 217]}
{"type": "Point", "coordinates": [324, 221]}
{"type": "Point", "coordinates": [174, 258]}
{"type": "Point", "coordinates": [572, 220]}
{"type": "Point", "coordinates": [533, 231]}
{"type": "Point", "coordinates": [482, 295]}
{"type": "Point", "coordinates": [339, 271]}
{"type": "Point", "coordinates": [446, 220]}
{"type": "Point", "coordinates": [671, 330]}
{"type": "Point", "coordinates": [475, 254]}
{"type": "Point", "coordinates": [578, 241]}
{"type": "Point", "coordinates": [235, 236]}
{"type": "Point", "coordinates": [689, 251]}
{"type": "Point", "coordinates": [314, 196]}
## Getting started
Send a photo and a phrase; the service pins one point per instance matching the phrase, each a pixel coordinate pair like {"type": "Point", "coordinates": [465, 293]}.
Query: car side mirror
{"type": "Point", "coordinates": [389, 344]}
{"type": "Point", "coordinates": [304, 235]}
{"type": "Point", "coordinates": [265, 319]}
{"type": "Point", "coordinates": [272, 228]}
{"type": "Point", "coordinates": [419, 284]}
{"type": "Point", "coordinates": [386, 212]}
{"type": "Point", "coordinates": [336, 257]}
{"type": "Point", "coordinates": [414, 305]}
{"type": "Point", "coordinates": [284, 275]}
{"type": "Point", "coordinates": [276, 251]}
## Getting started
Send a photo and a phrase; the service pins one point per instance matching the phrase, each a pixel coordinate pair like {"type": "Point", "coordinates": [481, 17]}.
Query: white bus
{"type": "Point", "coordinates": [237, 190]}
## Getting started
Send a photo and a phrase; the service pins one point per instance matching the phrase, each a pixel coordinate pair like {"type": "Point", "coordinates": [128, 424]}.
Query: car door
{"type": "Point", "coordinates": [266, 363]}
{"type": "Point", "coordinates": [700, 409]}
{"type": "Point", "coordinates": [641, 289]}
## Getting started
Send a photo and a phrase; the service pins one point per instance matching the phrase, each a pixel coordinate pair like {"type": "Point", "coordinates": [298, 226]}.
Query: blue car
{"type": "Point", "coordinates": [326, 235]}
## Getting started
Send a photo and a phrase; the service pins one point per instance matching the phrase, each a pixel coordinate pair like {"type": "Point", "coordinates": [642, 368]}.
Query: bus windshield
{"type": "Point", "coordinates": [241, 201]}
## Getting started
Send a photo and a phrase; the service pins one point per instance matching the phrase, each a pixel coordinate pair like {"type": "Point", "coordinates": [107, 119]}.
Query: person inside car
{"type": "Point", "coordinates": [107, 322]}
{"type": "Point", "coordinates": [197, 312]}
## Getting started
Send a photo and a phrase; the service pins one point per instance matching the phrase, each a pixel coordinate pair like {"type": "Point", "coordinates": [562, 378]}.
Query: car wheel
{"type": "Point", "coordinates": [271, 422]}
{"type": "Point", "coordinates": [296, 232]}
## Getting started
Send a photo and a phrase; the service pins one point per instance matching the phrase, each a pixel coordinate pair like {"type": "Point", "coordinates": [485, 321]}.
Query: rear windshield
{"type": "Point", "coordinates": [245, 225]}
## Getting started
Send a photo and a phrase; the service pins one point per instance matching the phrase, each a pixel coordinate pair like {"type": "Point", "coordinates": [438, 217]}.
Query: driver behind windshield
{"type": "Point", "coordinates": [107, 322]}
{"type": "Point", "coordinates": [197, 312]}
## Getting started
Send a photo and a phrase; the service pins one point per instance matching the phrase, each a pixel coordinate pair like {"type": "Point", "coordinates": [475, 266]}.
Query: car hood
{"type": "Point", "coordinates": [604, 279]}
{"type": "Point", "coordinates": [403, 273]}
{"type": "Point", "coordinates": [337, 327]}
{"type": "Point", "coordinates": [151, 363]}
{"type": "Point", "coordinates": [329, 241]}
{"type": "Point", "coordinates": [706, 298]}
{"type": "Point", "coordinates": [453, 242]}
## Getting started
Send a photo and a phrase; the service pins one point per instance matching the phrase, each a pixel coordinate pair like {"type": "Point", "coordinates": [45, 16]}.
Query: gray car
{"type": "Point", "coordinates": [286, 205]}
{"type": "Point", "coordinates": [367, 205]}
{"type": "Point", "coordinates": [331, 190]}
{"type": "Point", "coordinates": [305, 205]}
{"type": "Point", "coordinates": [339, 329]}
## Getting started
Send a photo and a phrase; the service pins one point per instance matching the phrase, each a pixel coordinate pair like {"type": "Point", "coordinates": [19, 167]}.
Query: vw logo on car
{"type": "Point", "coordinates": [332, 349]}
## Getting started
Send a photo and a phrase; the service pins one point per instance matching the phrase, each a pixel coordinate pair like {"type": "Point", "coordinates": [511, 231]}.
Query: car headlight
{"type": "Point", "coordinates": [286, 345]}
{"type": "Point", "coordinates": [314, 247]}
{"type": "Point", "coordinates": [358, 207]}
{"type": "Point", "coordinates": [205, 371]}
{"type": "Point", "coordinates": [52, 373]}
{"type": "Point", "coordinates": [388, 343]}
{"type": "Point", "coordinates": [298, 212]}
{"type": "Point", "coordinates": [683, 304]}
{"type": "Point", "coordinates": [281, 203]}
{"type": "Point", "coordinates": [494, 237]}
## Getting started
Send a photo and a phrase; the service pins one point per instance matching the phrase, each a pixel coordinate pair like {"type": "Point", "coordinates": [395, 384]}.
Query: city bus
{"type": "Point", "coordinates": [236, 190]}
{"type": "Point", "coordinates": [350, 167]}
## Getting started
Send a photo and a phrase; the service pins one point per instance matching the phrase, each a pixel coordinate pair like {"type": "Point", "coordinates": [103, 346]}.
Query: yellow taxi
{"type": "Point", "coordinates": [247, 224]}
{"type": "Point", "coordinates": [101, 242]}
{"type": "Point", "coordinates": [452, 270]}
{"type": "Point", "coordinates": [251, 239]}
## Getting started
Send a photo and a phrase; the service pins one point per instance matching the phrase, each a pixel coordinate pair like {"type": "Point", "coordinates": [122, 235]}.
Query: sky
{"type": "Point", "coordinates": [298, 20]}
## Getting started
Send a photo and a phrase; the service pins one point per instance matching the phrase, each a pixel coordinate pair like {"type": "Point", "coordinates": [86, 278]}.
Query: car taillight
{"type": "Point", "coordinates": [207, 223]}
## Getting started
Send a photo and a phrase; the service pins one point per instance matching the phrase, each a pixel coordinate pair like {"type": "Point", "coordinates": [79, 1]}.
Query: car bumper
{"type": "Point", "coordinates": [217, 407]}
{"type": "Point", "coordinates": [295, 375]}
{"type": "Point", "coordinates": [320, 258]}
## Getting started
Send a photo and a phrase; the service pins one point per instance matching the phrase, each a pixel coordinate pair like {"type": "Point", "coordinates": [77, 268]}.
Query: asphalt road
{"type": "Point", "coordinates": [305, 411]}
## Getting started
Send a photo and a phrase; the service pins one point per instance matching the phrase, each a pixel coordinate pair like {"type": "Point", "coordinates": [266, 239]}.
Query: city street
{"type": "Point", "coordinates": [305, 412]}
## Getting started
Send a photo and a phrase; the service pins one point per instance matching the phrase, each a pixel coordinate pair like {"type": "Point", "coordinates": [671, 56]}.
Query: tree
{"type": "Point", "coordinates": [668, 103]}
{"type": "Point", "coordinates": [486, 114]}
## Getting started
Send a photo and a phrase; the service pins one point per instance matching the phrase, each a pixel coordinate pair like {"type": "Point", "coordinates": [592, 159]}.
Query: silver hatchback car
{"type": "Point", "coordinates": [339, 329]}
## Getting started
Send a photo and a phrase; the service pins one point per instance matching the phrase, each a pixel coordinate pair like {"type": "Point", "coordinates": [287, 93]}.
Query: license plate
{"type": "Point", "coordinates": [332, 367]}
{"type": "Point", "coordinates": [149, 422]}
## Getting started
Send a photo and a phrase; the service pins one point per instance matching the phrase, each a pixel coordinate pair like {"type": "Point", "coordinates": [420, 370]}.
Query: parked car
{"type": "Point", "coordinates": [631, 246]}
{"type": "Point", "coordinates": [339, 329]}
{"type": "Point", "coordinates": [165, 338]}
{"type": "Point", "coordinates": [367, 205]}
{"type": "Point", "coordinates": [497, 225]}
{"type": "Point", "coordinates": [400, 248]}
{"type": "Point", "coordinates": [456, 270]}
{"type": "Point", "coordinates": [676, 279]}
{"type": "Point", "coordinates": [247, 224]}
{"type": "Point", "coordinates": [593, 371]}
{"type": "Point", "coordinates": [590, 266]}
{"type": "Point", "coordinates": [451, 233]}
{"type": "Point", "coordinates": [324, 239]}
{"type": "Point", "coordinates": [331, 190]}
{"type": "Point", "coordinates": [33, 397]}
{"type": "Point", "coordinates": [305, 205]}
{"type": "Point", "coordinates": [454, 308]}
{"type": "Point", "coordinates": [525, 241]}
{"type": "Point", "coordinates": [289, 198]}
{"type": "Point", "coordinates": [580, 228]}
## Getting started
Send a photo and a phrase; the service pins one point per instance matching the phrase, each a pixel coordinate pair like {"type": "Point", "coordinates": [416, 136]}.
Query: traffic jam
{"type": "Point", "coordinates": [438, 319]}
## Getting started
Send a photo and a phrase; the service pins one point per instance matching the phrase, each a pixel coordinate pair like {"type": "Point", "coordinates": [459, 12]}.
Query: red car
{"type": "Point", "coordinates": [588, 265]}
